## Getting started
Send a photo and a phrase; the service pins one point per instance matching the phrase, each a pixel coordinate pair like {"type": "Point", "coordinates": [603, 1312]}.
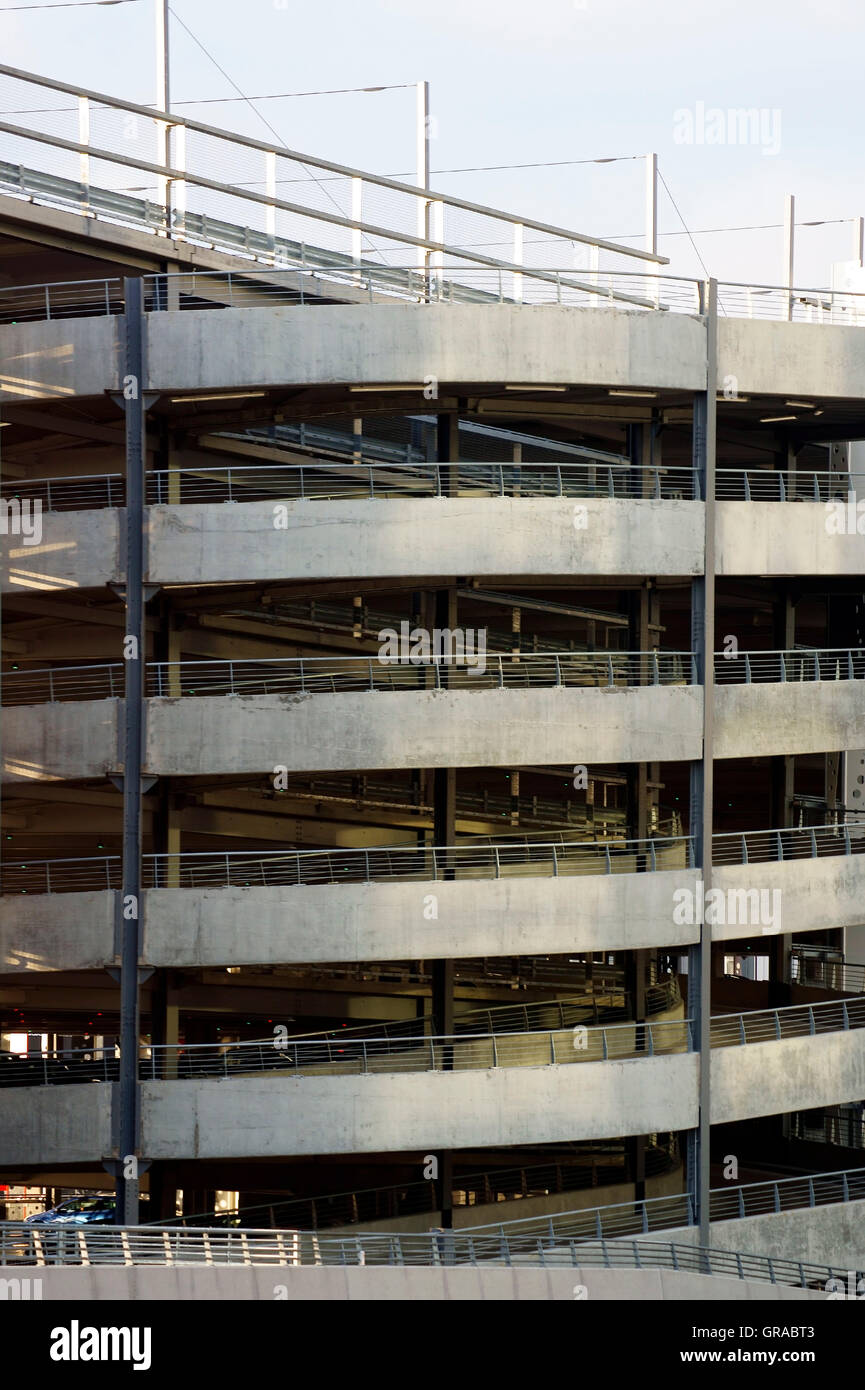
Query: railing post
{"type": "Point", "coordinates": [555, 863]}
{"type": "Point", "coordinates": [747, 669]}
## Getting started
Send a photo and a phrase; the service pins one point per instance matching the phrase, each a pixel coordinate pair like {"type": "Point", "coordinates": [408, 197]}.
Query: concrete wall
{"type": "Point", "coordinates": [202, 543]}
{"type": "Point", "coordinates": [233, 1284]}
{"type": "Point", "coordinates": [281, 1114]}
{"type": "Point", "coordinates": [385, 921]}
{"type": "Point", "coordinates": [56, 931]}
{"type": "Point", "coordinates": [815, 894]}
{"type": "Point", "coordinates": [404, 343]}
{"type": "Point", "coordinates": [469, 1107]}
{"type": "Point", "coordinates": [827, 1235]}
{"type": "Point", "coordinates": [782, 538]}
{"type": "Point", "coordinates": [47, 743]}
{"type": "Point", "coordinates": [498, 917]}
{"type": "Point", "coordinates": [60, 359]}
{"type": "Point", "coordinates": [794, 717]}
{"type": "Point", "coordinates": [793, 359]}
{"type": "Point", "coordinates": [774, 1078]}
{"type": "Point", "coordinates": [77, 550]}
{"type": "Point", "coordinates": [55, 1124]}
{"type": "Point", "coordinates": [192, 736]}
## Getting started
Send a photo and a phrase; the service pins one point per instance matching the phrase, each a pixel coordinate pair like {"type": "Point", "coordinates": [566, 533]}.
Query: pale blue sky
{"type": "Point", "coordinates": [514, 82]}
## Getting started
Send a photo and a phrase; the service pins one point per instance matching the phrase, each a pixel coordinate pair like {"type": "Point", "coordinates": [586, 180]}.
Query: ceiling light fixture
{"type": "Point", "coordinates": [775, 419]}
{"type": "Point", "coordinates": [644, 395]}
{"type": "Point", "coordinates": [223, 396]}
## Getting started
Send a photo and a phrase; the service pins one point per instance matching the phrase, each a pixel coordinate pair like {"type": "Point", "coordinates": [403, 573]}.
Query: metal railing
{"type": "Point", "coordinates": [599, 1166]}
{"type": "Point", "coordinates": [351, 480]}
{"type": "Point", "coordinates": [661, 1213]}
{"type": "Point", "coordinates": [334, 674]}
{"type": "Point", "coordinates": [430, 1053]}
{"type": "Point", "coordinates": [21, 1244]}
{"type": "Point", "coordinates": [778, 846]}
{"type": "Point", "coordinates": [794, 1021]}
{"type": "Point", "coordinates": [814, 664]}
{"type": "Point", "coordinates": [841, 1128]}
{"type": "Point", "coordinates": [528, 858]}
{"type": "Point", "coordinates": [491, 670]}
{"type": "Point", "coordinates": [844, 977]}
{"type": "Point", "coordinates": [251, 868]}
{"type": "Point", "coordinates": [353, 1056]}
{"type": "Point", "coordinates": [779, 485]}
{"type": "Point", "coordinates": [323, 479]}
{"type": "Point", "coordinates": [308, 276]}
{"type": "Point", "coordinates": [606, 1003]}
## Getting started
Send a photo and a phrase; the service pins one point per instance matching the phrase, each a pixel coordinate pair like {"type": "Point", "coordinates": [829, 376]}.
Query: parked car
{"type": "Point", "coordinates": [77, 1211]}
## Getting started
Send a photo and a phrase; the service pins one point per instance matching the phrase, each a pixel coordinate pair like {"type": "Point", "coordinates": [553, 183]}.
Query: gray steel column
{"type": "Point", "coordinates": [134, 653]}
{"type": "Point", "coordinates": [703, 644]}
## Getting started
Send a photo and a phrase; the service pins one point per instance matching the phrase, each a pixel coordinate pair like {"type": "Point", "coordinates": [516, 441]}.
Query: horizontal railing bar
{"type": "Point", "coordinates": [306, 866]}
{"type": "Point", "coordinates": [245, 676]}
{"type": "Point", "coordinates": [21, 1243]}
{"type": "Point", "coordinates": [432, 1052]}
{"type": "Point", "coordinates": [315, 161]}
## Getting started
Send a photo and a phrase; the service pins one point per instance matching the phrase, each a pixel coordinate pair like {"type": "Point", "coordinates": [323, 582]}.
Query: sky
{"type": "Point", "coordinates": [516, 83]}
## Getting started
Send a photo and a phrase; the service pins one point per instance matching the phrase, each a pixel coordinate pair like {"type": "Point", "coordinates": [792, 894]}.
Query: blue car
{"type": "Point", "coordinates": [77, 1211]}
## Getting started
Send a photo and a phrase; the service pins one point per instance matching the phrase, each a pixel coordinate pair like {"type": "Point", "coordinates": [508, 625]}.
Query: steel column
{"type": "Point", "coordinates": [134, 652]}
{"type": "Point", "coordinates": [703, 645]}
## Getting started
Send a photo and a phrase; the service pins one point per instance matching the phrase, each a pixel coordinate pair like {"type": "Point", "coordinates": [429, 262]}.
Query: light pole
{"type": "Point", "coordinates": [163, 103]}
